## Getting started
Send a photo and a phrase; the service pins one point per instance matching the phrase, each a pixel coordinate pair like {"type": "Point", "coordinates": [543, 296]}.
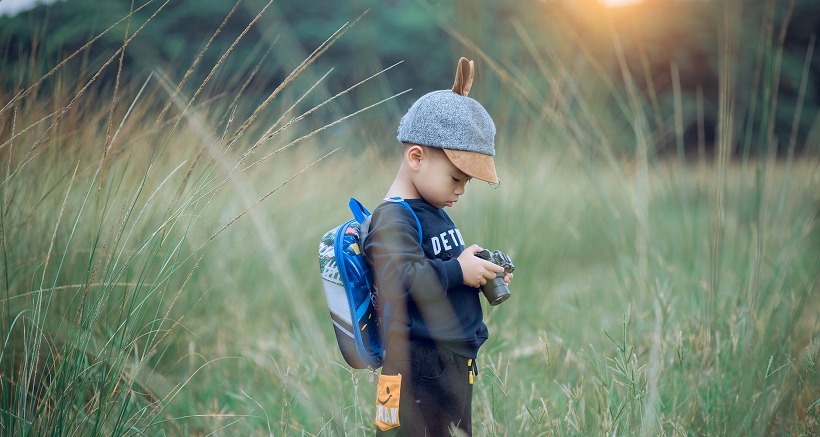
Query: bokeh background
{"type": "Point", "coordinates": [168, 168]}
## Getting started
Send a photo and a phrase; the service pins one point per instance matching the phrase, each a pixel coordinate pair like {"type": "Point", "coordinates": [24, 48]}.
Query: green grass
{"type": "Point", "coordinates": [147, 290]}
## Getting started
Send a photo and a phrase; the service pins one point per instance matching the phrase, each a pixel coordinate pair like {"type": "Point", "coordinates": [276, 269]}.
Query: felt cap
{"type": "Point", "coordinates": [455, 123]}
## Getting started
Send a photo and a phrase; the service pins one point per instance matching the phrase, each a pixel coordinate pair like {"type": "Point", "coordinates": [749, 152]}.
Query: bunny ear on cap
{"type": "Point", "coordinates": [464, 77]}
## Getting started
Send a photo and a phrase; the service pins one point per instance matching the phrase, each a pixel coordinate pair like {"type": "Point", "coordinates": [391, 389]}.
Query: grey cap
{"type": "Point", "coordinates": [448, 120]}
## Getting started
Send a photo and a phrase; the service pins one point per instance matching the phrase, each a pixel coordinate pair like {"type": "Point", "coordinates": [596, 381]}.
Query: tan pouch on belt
{"type": "Point", "coordinates": [388, 394]}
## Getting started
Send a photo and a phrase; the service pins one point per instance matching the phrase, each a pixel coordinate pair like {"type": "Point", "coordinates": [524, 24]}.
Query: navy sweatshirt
{"type": "Point", "coordinates": [420, 287]}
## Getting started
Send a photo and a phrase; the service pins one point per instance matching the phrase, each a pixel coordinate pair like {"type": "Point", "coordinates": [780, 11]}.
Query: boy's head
{"type": "Point", "coordinates": [457, 124]}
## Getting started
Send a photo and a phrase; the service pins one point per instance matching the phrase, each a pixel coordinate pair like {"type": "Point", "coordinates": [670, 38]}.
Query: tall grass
{"type": "Point", "coordinates": [159, 264]}
{"type": "Point", "coordinates": [110, 199]}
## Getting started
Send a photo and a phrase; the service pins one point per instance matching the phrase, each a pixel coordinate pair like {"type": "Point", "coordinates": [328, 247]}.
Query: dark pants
{"type": "Point", "coordinates": [436, 393]}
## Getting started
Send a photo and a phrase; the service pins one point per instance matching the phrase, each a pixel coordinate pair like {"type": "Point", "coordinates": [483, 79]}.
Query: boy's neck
{"type": "Point", "coordinates": [403, 187]}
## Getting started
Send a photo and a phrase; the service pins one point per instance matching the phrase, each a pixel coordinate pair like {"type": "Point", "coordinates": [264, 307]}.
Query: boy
{"type": "Point", "coordinates": [428, 293]}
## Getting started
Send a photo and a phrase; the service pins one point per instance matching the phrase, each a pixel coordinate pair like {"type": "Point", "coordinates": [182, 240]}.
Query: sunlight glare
{"type": "Point", "coordinates": [619, 3]}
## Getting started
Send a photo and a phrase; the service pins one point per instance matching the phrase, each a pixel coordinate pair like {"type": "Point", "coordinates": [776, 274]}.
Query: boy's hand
{"type": "Point", "coordinates": [508, 278]}
{"type": "Point", "coordinates": [476, 271]}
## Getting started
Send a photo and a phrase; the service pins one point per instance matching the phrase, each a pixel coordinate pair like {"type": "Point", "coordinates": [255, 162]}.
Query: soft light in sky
{"type": "Point", "coordinates": [617, 3]}
{"type": "Point", "coordinates": [11, 7]}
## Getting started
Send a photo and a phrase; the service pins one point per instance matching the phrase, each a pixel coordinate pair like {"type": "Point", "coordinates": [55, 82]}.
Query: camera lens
{"type": "Point", "coordinates": [496, 291]}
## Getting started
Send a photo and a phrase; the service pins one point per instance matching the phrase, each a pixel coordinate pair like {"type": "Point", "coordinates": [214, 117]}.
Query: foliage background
{"type": "Point", "coordinates": [656, 37]}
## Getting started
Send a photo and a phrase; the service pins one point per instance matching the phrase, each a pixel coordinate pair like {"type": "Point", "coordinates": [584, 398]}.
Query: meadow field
{"type": "Point", "coordinates": [160, 276]}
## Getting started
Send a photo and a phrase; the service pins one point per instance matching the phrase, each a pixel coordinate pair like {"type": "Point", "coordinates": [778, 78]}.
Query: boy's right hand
{"type": "Point", "coordinates": [476, 271]}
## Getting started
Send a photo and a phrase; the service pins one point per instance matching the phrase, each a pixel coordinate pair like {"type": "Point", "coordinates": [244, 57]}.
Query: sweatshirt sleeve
{"type": "Point", "coordinates": [400, 267]}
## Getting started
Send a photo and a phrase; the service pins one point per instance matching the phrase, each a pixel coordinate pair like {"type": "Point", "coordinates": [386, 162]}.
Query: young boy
{"type": "Point", "coordinates": [428, 293]}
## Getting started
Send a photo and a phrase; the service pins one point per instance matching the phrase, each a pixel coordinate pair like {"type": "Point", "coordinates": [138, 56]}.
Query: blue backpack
{"type": "Point", "coordinates": [348, 284]}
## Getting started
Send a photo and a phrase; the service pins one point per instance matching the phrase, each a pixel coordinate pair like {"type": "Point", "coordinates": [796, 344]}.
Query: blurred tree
{"type": "Point", "coordinates": [572, 37]}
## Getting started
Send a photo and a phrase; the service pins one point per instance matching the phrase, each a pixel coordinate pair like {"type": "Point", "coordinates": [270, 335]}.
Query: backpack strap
{"type": "Point", "coordinates": [401, 201]}
{"type": "Point", "coordinates": [360, 213]}
{"type": "Point", "coordinates": [358, 210]}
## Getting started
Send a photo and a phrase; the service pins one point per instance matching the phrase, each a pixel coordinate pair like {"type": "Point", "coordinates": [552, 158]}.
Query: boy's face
{"type": "Point", "coordinates": [437, 180]}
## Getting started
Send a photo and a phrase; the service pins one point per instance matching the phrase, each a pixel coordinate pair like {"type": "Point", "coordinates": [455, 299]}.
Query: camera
{"type": "Point", "coordinates": [496, 290]}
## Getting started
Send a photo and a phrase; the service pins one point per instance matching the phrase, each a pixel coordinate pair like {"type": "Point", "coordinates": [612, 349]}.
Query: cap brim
{"type": "Point", "coordinates": [476, 165]}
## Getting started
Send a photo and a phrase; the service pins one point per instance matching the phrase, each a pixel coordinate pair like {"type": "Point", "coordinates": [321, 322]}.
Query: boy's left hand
{"type": "Point", "coordinates": [508, 278]}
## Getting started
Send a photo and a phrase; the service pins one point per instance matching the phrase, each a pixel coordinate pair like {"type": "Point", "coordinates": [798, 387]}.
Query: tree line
{"type": "Point", "coordinates": [671, 47]}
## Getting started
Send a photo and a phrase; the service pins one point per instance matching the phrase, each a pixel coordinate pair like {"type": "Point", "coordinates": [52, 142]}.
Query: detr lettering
{"type": "Point", "coordinates": [447, 240]}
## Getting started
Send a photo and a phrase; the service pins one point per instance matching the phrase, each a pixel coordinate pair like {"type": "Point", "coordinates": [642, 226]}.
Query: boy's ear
{"type": "Point", "coordinates": [413, 156]}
